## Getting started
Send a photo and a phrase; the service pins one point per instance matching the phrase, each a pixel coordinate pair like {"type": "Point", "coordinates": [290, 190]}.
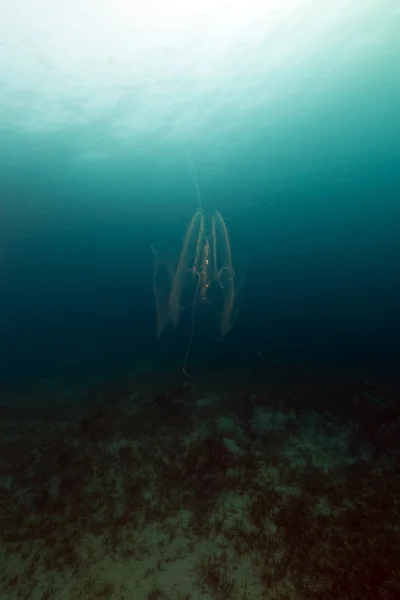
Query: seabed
{"type": "Point", "coordinates": [142, 487]}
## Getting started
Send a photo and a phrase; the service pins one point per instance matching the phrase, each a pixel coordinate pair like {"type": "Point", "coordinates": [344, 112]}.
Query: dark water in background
{"type": "Point", "coordinates": [309, 187]}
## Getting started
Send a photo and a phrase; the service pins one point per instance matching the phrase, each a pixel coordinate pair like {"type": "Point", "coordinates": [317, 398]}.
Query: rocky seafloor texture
{"type": "Point", "coordinates": [143, 488]}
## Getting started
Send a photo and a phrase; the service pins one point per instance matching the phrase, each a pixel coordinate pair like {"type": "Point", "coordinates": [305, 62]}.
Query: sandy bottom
{"type": "Point", "coordinates": [130, 491]}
